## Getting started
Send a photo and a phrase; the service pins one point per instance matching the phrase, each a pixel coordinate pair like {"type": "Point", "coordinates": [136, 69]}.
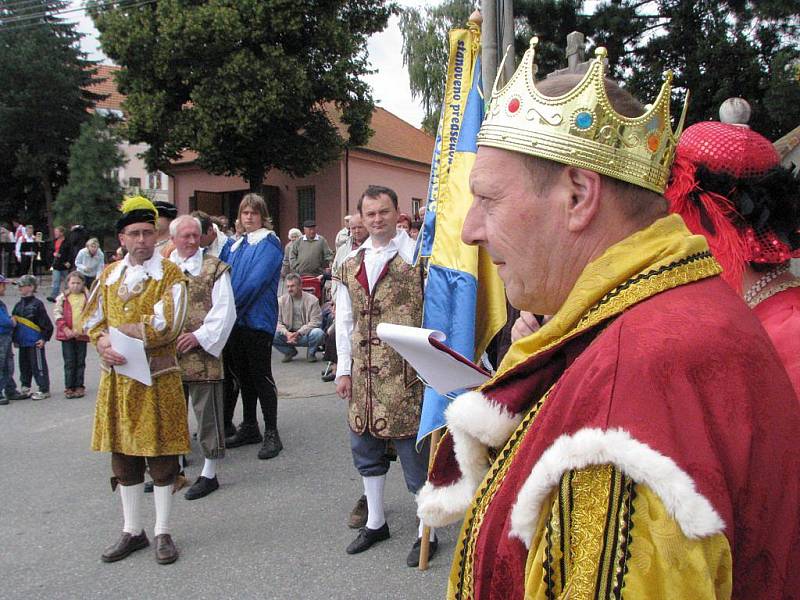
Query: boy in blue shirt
{"type": "Point", "coordinates": [32, 330]}
{"type": "Point", "coordinates": [8, 389]}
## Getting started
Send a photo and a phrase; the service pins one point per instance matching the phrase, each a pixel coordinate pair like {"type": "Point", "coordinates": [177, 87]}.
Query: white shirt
{"type": "Point", "coordinates": [375, 260]}
{"type": "Point", "coordinates": [218, 322]}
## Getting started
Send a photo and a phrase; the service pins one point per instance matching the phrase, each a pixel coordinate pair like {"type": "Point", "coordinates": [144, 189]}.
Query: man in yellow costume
{"type": "Point", "coordinates": [143, 296]}
{"type": "Point", "coordinates": [642, 443]}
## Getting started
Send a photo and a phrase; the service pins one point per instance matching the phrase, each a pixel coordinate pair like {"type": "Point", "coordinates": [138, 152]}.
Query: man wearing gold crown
{"type": "Point", "coordinates": [628, 447]}
{"type": "Point", "coordinates": [144, 297]}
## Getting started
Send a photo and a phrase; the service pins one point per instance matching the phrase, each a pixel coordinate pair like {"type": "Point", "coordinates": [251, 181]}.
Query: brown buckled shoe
{"type": "Point", "coordinates": [125, 545]}
{"type": "Point", "coordinates": [358, 516]}
{"type": "Point", "coordinates": [166, 552]}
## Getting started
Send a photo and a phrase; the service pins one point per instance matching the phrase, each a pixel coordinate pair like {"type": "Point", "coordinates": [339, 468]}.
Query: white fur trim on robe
{"type": "Point", "coordinates": [475, 423]}
{"type": "Point", "coordinates": [694, 514]}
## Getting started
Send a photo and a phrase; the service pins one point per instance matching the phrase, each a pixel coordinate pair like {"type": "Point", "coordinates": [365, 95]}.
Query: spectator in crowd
{"type": "Point", "coordinates": [404, 222]}
{"type": "Point", "coordinates": [8, 389]}
{"type": "Point", "coordinates": [310, 255]}
{"type": "Point", "coordinates": [59, 266]}
{"type": "Point", "coordinates": [25, 256]}
{"type": "Point", "coordinates": [34, 328]}
{"type": "Point", "coordinates": [212, 239]}
{"type": "Point", "coordinates": [299, 321]}
{"type": "Point", "coordinates": [294, 235]}
{"type": "Point", "coordinates": [90, 262]}
{"type": "Point", "coordinates": [238, 229]}
{"type": "Point", "coordinates": [255, 261]}
{"type": "Point", "coordinates": [211, 313]}
{"type": "Point", "coordinates": [167, 212]}
{"type": "Point", "coordinates": [69, 331]}
{"type": "Point", "coordinates": [119, 254]}
{"type": "Point", "coordinates": [75, 242]}
{"type": "Point", "coordinates": [413, 231]}
{"type": "Point", "coordinates": [344, 232]}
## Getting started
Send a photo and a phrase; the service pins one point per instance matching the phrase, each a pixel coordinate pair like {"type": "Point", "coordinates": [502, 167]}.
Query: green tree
{"type": "Point", "coordinates": [43, 101]}
{"type": "Point", "coordinates": [250, 85]}
{"type": "Point", "coordinates": [425, 52]}
{"type": "Point", "coordinates": [93, 193]}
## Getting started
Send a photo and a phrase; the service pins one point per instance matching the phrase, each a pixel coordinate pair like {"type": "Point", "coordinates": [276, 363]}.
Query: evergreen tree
{"type": "Point", "coordinates": [43, 78]}
{"type": "Point", "coordinates": [250, 85]}
{"type": "Point", "coordinates": [93, 193]}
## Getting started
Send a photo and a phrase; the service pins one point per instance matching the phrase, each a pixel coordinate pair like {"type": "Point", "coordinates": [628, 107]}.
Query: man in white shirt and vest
{"type": "Point", "coordinates": [380, 283]}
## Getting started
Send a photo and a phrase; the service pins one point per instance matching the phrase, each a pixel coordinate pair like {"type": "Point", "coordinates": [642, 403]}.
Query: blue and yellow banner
{"type": "Point", "coordinates": [464, 296]}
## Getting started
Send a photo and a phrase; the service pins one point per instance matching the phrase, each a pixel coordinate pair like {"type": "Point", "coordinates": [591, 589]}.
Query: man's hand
{"type": "Point", "coordinates": [186, 342]}
{"type": "Point", "coordinates": [107, 355]}
{"type": "Point", "coordinates": [344, 387]}
{"type": "Point", "coordinates": [292, 337]}
{"type": "Point", "coordinates": [69, 332]}
{"type": "Point", "coordinates": [39, 343]}
{"type": "Point", "coordinates": [525, 325]}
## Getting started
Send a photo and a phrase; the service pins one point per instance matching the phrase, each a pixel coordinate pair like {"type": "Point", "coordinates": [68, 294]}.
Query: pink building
{"type": "Point", "coordinates": [398, 156]}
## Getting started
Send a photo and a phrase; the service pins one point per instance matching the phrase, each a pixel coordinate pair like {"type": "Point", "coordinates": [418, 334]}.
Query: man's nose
{"type": "Point", "coordinates": [472, 231]}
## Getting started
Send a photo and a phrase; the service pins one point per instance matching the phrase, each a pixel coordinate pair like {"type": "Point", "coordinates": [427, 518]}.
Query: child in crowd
{"type": "Point", "coordinates": [67, 313]}
{"type": "Point", "coordinates": [8, 389]}
{"type": "Point", "coordinates": [32, 330]}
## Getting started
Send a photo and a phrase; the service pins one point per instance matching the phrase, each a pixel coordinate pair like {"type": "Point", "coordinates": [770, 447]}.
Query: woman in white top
{"type": "Point", "coordinates": [90, 262]}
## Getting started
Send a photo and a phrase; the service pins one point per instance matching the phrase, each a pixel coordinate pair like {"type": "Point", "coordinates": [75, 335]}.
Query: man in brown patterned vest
{"type": "Point", "coordinates": [210, 319]}
{"type": "Point", "coordinates": [379, 283]}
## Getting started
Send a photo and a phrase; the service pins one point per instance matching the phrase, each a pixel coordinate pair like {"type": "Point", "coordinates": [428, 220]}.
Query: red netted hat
{"type": "Point", "coordinates": [728, 185]}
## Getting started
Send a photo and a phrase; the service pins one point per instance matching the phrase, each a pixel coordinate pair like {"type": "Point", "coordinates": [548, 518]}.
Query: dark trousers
{"type": "Point", "coordinates": [74, 353]}
{"type": "Point", "coordinates": [249, 354]}
{"type": "Point", "coordinates": [371, 459]}
{"type": "Point", "coordinates": [330, 346]}
{"type": "Point", "coordinates": [230, 388]}
{"type": "Point", "coordinates": [33, 365]}
{"type": "Point", "coordinates": [129, 470]}
{"type": "Point", "coordinates": [7, 385]}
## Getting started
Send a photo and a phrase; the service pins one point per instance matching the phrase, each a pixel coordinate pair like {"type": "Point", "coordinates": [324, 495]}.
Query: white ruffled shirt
{"type": "Point", "coordinates": [218, 322]}
{"type": "Point", "coordinates": [375, 260]}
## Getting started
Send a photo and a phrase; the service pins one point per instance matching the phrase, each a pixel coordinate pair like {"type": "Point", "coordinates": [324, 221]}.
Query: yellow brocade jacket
{"type": "Point", "coordinates": [130, 417]}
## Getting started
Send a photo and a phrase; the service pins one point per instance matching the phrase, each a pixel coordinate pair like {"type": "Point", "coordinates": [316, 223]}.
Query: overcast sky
{"type": "Point", "coordinates": [389, 82]}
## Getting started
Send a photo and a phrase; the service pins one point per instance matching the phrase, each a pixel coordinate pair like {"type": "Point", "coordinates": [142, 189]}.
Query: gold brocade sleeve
{"type": "Point", "coordinates": [174, 317]}
{"type": "Point", "coordinates": [93, 316]}
{"type": "Point", "coordinates": [606, 537]}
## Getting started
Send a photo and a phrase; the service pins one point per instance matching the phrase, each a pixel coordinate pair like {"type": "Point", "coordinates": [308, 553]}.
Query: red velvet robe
{"type": "Point", "coordinates": [691, 374]}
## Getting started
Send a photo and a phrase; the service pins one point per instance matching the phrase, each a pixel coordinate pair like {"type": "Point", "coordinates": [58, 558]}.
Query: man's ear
{"type": "Point", "coordinates": [584, 187]}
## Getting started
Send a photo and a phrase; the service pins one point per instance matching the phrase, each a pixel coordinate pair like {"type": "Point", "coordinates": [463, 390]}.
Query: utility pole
{"type": "Point", "coordinates": [497, 38]}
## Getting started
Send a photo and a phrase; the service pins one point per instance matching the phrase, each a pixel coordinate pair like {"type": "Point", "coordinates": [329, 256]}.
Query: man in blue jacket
{"type": "Point", "coordinates": [255, 261]}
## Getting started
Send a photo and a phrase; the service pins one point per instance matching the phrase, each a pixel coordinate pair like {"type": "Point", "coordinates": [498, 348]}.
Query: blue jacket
{"type": "Point", "coordinates": [6, 322]}
{"type": "Point", "coordinates": [31, 310]}
{"type": "Point", "coordinates": [255, 273]}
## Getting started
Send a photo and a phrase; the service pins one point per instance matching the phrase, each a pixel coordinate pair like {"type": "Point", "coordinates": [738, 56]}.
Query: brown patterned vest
{"type": "Point", "coordinates": [387, 396]}
{"type": "Point", "coordinates": [197, 364]}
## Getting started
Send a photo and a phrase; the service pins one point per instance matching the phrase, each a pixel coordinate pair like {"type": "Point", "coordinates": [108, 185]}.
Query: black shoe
{"type": "Point", "coordinates": [246, 434]}
{"type": "Point", "coordinates": [367, 537]}
{"type": "Point", "coordinates": [202, 487]}
{"type": "Point", "coordinates": [329, 377]}
{"type": "Point", "coordinates": [4, 401]}
{"type": "Point", "coordinates": [18, 396]}
{"type": "Point", "coordinates": [148, 487]}
{"type": "Point", "coordinates": [51, 299]}
{"type": "Point", "coordinates": [230, 430]}
{"type": "Point", "coordinates": [272, 445]}
{"type": "Point", "coordinates": [412, 560]}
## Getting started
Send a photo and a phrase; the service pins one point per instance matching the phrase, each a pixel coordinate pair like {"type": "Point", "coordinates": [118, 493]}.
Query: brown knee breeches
{"type": "Point", "coordinates": [129, 470]}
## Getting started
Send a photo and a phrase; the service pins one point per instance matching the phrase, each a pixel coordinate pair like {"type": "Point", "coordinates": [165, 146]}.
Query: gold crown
{"type": "Point", "coordinates": [581, 128]}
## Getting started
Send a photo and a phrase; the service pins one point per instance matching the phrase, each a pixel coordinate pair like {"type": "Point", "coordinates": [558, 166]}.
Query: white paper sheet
{"type": "Point", "coordinates": [136, 366]}
{"type": "Point", "coordinates": [442, 371]}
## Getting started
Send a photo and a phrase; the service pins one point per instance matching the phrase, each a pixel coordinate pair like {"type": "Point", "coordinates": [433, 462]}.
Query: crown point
{"type": "Point", "coordinates": [534, 41]}
{"type": "Point", "coordinates": [601, 52]}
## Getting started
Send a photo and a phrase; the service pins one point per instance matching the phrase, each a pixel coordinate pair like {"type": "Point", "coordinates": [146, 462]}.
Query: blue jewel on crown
{"type": "Point", "coordinates": [584, 120]}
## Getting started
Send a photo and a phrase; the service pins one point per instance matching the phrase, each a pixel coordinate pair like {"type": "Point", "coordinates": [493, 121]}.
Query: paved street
{"type": "Point", "coordinates": [274, 529]}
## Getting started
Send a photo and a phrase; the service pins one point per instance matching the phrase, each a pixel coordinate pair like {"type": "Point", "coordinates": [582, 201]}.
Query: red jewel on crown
{"type": "Point", "coordinates": [513, 105]}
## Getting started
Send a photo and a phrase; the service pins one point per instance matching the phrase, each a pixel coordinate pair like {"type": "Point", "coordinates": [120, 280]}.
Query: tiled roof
{"type": "Point", "coordinates": [108, 87]}
{"type": "Point", "coordinates": [393, 136]}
